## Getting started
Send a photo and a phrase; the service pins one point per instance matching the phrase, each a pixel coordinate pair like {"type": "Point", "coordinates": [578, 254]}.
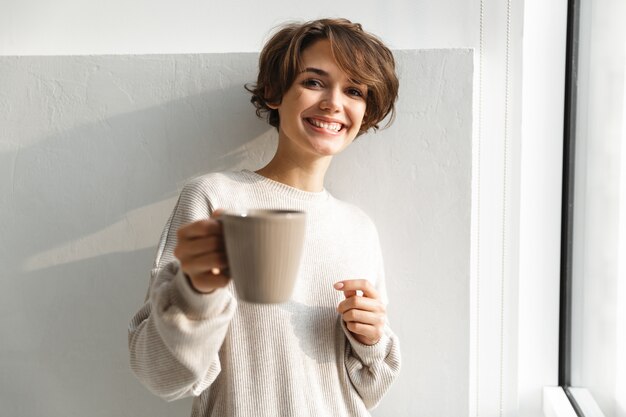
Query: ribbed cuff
{"type": "Point", "coordinates": [369, 354]}
{"type": "Point", "coordinates": [196, 304]}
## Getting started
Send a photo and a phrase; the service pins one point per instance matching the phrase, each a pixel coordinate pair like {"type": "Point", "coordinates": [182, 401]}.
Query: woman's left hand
{"type": "Point", "coordinates": [364, 315]}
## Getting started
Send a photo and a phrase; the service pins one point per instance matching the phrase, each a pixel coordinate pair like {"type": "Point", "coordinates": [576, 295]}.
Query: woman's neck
{"type": "Point", "coordinates": [307, 176]}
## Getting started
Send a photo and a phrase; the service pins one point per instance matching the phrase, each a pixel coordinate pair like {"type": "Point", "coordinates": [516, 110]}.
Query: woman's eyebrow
{"type": "Point", "coordinates": [323, 73]}
{"type": "Point", "coordinates": [316, 71]}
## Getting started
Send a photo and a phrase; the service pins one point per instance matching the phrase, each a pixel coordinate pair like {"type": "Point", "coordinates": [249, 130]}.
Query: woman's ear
{"type": "Point", "coordinates": [273, 106]}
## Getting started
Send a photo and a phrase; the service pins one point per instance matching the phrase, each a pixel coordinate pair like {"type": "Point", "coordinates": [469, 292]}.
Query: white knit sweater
{"type": "Point", "coordinates": [252, 360]}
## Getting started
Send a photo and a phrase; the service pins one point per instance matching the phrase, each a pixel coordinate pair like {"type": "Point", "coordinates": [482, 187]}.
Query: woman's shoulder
{"type": "Point", "coordinates": [346, 211]}
{"type": "Point", "coordinates": [216, 180]}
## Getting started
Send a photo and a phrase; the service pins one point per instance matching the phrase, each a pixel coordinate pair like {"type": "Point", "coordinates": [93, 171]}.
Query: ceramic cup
{"type": "Point", "coordinates": [264, 248]}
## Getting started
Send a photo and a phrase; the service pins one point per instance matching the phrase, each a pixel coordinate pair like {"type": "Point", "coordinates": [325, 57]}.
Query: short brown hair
{"type": "Point", "coordinates": [361, 55]}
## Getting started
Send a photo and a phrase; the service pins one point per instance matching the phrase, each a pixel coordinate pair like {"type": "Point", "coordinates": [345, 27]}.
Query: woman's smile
{"type": "Point", "coordinates": [324, 125]}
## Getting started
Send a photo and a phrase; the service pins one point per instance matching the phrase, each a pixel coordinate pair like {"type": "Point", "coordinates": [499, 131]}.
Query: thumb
{"type": "Point", "coordinates": [217, 213]}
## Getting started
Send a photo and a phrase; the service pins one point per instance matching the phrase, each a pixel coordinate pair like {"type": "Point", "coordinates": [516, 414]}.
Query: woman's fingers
{"type": "Point", "coordinates": [200, 239]}
{"type": "Point", "coordinates": [199, 229]}
{"type": "Point", "coordinates": [205, 264]}
{"type": "Point", "coordinates": [365, 333]}
{"type": "Point", "coordinates": [201, 251]}
{"type": "Point", "coordinates": [199, 246]}
{"type": "Point", "coordinates": [364, 315]}
{"type": "Point", "coordinates": [217, 213]}
{"type": "Point", "coordinates": [360, 303]}
{"type": "Point", "coordinates": [208, 282]}
{"type": "Point", "coordinates": [351, 286]}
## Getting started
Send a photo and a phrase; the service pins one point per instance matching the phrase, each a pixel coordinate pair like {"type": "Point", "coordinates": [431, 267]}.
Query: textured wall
{"type": "Point", "coordinates": [93, 152]}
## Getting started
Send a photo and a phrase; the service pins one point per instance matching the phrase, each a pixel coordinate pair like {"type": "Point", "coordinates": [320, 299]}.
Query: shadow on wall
{"type": "Point", "coordinates": [83, 208]}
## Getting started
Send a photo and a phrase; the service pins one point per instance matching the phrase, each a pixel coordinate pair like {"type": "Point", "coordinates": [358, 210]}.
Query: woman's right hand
{"type": "Point", "coordinates": [202, 254]}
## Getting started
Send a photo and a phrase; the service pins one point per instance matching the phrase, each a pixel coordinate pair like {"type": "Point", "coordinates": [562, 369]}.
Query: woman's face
{"type": "Point", "coordinates": [321, 113]}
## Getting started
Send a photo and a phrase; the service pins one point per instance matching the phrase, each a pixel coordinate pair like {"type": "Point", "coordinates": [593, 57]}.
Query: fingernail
{"type": "Point", "coordinates": [339, 285]}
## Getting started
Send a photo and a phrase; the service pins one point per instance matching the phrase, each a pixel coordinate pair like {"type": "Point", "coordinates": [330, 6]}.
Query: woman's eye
{"type": "Point", "coordinates": [355, 92]}
{"type": "Point", "coordinates": [311, 83]}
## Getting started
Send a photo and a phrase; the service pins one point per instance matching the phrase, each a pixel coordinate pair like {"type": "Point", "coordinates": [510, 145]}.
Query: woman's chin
{"type": "Point", "coordinates": [329, 147]}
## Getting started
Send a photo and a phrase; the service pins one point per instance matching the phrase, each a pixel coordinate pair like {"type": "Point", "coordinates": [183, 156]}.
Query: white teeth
{"type": "Point", "coordinates": [330, 126]}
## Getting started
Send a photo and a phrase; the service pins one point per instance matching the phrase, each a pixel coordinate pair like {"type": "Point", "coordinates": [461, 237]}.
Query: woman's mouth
{"type": "Point", "coordinates": [332, 127]}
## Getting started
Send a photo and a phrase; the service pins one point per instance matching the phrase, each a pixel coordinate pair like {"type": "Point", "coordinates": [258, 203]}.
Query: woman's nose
{"type": "Point", "coordinates": [331, 101]}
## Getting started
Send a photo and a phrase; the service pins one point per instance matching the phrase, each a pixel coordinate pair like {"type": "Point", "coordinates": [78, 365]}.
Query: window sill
{"type": "Point", "coordinates": [556, 403]}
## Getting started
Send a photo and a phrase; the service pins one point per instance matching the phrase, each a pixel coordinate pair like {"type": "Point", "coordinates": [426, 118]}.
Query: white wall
{"type": "Point", "coordinates": [35, 27]}
{"type": "Point", "coordinates": [492, 27]}
{"type": "Point", "coordinates": [109, 143]}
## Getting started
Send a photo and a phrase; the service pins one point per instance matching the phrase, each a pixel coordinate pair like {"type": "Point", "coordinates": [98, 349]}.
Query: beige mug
{"type": "Point", "coordinates": [264, 249]}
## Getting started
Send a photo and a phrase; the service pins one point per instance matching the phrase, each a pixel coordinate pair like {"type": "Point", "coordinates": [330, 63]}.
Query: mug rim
{"type": "Point", "coordinates": [262, 213]}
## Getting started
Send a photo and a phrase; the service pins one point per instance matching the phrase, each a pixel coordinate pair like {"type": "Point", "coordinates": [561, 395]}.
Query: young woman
{"type": "Point", "coordinates": [329, 351]}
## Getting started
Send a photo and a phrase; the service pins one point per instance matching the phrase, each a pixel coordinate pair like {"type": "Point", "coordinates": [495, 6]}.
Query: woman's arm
{"type": "Point", "coordinates": [372, 354]}
{"type": "Point", "coordinates": [174, 339]}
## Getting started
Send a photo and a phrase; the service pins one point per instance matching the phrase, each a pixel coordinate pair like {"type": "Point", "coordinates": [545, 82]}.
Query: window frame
{"type": "Point", "coordinates": [567, 205]}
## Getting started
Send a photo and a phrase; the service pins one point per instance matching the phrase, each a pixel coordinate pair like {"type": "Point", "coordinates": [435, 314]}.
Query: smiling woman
{"type": "Point", "coordinates": [322, 83]}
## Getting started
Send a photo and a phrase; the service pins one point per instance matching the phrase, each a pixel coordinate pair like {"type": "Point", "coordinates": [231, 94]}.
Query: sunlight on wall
{"type": "Point", "coordinates": [137, 230]}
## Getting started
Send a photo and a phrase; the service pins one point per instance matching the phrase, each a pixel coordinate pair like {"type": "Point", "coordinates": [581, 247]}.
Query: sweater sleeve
{"type": "Point", "coordinates": [175, 337]}
{"type": "Point", "coordinates": [372, 369]}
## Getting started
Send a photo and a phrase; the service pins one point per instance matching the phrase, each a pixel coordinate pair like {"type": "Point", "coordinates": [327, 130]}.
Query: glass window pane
{"type": "Point", "coordinates": [599, 246]}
